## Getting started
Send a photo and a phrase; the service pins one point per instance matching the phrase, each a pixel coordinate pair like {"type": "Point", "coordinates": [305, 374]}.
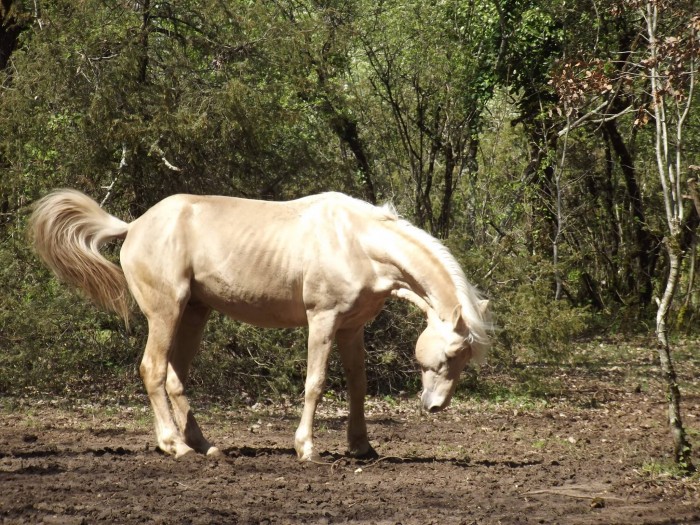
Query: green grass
{"type": "Point", "coordinates": [656, 470]}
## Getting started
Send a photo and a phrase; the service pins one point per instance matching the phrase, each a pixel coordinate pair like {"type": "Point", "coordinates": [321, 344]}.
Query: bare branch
{"type": "Point", "coordinates": [122, 165]}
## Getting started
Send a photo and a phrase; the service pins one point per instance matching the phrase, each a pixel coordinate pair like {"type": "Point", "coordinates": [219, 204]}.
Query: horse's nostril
{"type": "Point", "coordinates": [434, 409]}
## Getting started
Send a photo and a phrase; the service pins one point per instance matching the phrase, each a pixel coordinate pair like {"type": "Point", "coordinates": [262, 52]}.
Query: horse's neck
{"type": "Point", "coordinates": [422, 271]}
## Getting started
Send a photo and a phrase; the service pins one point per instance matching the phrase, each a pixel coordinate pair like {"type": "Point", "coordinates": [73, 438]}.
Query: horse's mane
{"type": "Point", "coordinates": [478, 320]}
{"type": "Point", "coordinates": [469, 297]}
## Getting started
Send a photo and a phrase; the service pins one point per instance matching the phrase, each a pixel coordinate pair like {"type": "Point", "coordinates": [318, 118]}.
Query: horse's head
{"type": "Point", "coordinates": [442, 350]}
{"type": "Point", "coordinates": [445, 347]}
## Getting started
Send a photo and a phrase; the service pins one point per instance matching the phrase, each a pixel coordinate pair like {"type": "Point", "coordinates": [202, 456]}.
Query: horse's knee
{"type": "Point", "coordinates": [173, 386]}
{"type": "Point", "coordinates": [314, 387]}
{"type": "Point", "coordinates": [152, 380]}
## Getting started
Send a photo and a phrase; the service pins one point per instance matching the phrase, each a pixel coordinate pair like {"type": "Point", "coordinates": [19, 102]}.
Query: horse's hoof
{"type": "Point", "coordinates": [312, 457]}
{"type": "Point", "coordinates": [214, 453]}
{"type": "Point", "coordinates": [185, 453]}
{"type": "Point", "coordinates": [362, 452]}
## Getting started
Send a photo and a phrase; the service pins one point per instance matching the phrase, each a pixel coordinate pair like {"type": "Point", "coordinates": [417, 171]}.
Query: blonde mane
{"type": "Point", "coordinates": [469, 297]}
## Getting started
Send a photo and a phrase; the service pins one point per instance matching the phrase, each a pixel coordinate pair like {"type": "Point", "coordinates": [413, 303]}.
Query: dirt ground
{"type": "Point", "coordinates": [594, 454]}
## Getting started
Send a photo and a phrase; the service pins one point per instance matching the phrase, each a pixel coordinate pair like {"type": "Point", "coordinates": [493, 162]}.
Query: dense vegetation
{"type": "Point", "coordinates": [552, 145]}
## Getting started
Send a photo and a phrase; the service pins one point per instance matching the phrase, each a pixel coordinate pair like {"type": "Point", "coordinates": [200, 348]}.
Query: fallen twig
{"type": "Point", "coordinates": [572, 493]}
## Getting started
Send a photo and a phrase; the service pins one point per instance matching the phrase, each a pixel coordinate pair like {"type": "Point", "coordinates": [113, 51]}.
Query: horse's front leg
{"type": "Point", "coordinates": [351, 347]}
{"type": "Point", "coordinates": [321, 332]}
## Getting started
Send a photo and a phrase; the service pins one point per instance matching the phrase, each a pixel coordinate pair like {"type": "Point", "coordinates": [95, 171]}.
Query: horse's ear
{"type": "Point", "coordinates": [457, 320]}
{"type": "Point", "coordinates": [483, 307]}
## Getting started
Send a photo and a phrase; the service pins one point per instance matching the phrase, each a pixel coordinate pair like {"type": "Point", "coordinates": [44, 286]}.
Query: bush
{"type": "Point", "coordinates": [540, 326]}
{"type": "Point", "coordinates": [54, 342]}
{"type": "Point", "coordinates": [246, 362]}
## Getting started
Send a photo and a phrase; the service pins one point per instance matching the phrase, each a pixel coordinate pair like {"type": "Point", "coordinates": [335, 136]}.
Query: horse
{"type": "Point", "coordinates": [326, 261]}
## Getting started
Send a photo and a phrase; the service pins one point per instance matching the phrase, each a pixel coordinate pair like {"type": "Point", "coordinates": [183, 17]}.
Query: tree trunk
{"type": "Point", "coordinates": [11, 26]}
{"type": "Point", "coordinates": [645, 251]}
{"type": "Point", "coordinates": [681, 225]}
{"type": "Point", "coordinates": [541, 172]}
{"type": "Point", "coordinates": [142, 73]}
{"type": "Point", "coordinates": [681, 445]}
{"type": "Point", "coordinates": [346, 130]}
{"type": "Point", "coordinates": [614, 226]}
{"type": "Point", "coordinates": [443, 223]}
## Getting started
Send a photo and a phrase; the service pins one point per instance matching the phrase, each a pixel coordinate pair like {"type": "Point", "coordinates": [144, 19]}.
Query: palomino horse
{"type": "Point", "coordinates": [327, 261]}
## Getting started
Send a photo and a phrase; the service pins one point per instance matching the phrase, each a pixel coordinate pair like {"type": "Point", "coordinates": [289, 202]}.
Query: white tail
{"type": "Point", "coordinates": [68, 228]}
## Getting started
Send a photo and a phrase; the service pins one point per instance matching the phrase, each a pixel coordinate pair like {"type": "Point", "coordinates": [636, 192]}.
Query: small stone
{"type": "Point", "coordinates": [597, 503]}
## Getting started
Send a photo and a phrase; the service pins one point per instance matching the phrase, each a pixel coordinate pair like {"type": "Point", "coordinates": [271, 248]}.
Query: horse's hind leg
{"type": "Point", "coordinates": [163, 299]}
{"type": "Point", "coordinates": [351, 347]}
{"type": "Point", "coordinates": [154, 367]}
{"type": "Point", "coordinates": [189, 336]}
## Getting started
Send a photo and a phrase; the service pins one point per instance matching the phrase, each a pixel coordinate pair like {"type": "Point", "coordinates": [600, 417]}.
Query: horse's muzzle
{"type": "Point", "coordinates": [433, 403]}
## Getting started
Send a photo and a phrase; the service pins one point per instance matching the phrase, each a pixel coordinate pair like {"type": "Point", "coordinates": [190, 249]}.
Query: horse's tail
{"type": "Point", "coordinates": [68, 228]}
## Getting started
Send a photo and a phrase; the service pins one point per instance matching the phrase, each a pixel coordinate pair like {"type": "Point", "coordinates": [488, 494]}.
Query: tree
{"type": "Point", "coordinates": [655, 82]}
{"type": "Point", "coordinates": [434, 84]}
{"type": "Point", "coordinates": [671, 71]}
{"type": "Point", "coordinates": [326, 48]}
{"type": "Point", "coordinates": [14, 19]}
{"type": "Point", "coordinates": [530, 39]}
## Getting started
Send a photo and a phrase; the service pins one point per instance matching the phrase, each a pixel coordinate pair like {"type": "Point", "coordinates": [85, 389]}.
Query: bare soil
{"type": "Point", "coordinates": [593, 454]}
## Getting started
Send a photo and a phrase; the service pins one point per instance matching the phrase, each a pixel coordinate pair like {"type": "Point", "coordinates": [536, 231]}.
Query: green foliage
{"type": "Point", "coordinates": [657, 471]}
{"type": "Point", "coordinates": [452, 110]}
{"type": "Point", "coordinates": [540, 326]}
{"type": "Point", "coordinates": [53, 341]}
{"type": "Point", "coordinates": [248, 363]}
{"type": "Point", "coordinates": [245, 362]}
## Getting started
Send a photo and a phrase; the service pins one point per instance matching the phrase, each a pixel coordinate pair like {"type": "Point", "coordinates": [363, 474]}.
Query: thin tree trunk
{"type": "Point", "coordinates": [142, 73]}
{"type": "Point", "coordinates": [695, 197]}
{"type": "Point", "coordinates": [443, 222]}
{"type": "Point", "coordinates": [346, 130]}
{"type": "Point", "coordinates": [680, 227]}
{"type": "Point", "coordinates": [691, 273]}
{"type": "Point", "coordinates": [681, 445]}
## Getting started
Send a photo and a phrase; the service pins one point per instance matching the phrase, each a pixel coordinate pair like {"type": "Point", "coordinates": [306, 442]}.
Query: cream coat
{"type": "Point", "coordinates": [327, 261]}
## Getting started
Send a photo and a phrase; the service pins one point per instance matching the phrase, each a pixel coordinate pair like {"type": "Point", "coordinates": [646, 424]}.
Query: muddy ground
{"type": "Point", "coordinates": [594, 453]}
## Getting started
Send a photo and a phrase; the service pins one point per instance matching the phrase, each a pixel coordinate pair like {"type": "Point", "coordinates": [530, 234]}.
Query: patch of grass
{"type": "Point", "coordinates": [539, 444]}
{"type": "Point", "coordinates": [390, 400]}
{"type": "Point", "coordinates": [525, 387]}
{"type": "Point", "coordinates": [657, 470]}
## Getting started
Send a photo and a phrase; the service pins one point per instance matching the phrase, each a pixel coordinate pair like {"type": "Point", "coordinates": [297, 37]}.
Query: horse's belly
{"type": "Point", "coordinates": [274, 307]}
{"type": "Point", "coordinates": [274, 315]}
